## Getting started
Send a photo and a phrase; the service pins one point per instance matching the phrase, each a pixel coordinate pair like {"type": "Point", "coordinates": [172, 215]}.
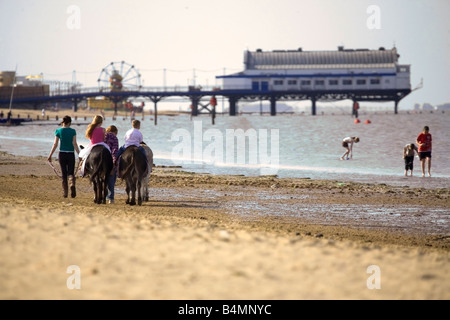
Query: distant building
{"type": "Point", "coordinates": [427, 107]}
{"type": "Point", "coordinates": [6, 78]}
{"type": "Point", "coordinates": [430, 107]}
{"type": "Point", "coordinates": [24, 86]}
{"type": "Point", "coordinates": [445, 106]}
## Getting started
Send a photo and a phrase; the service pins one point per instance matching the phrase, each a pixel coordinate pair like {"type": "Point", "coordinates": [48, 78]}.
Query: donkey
{"type": "Point", "coordinates": [133, 169]}
{"type": "Point", "coordinates": [98, 167]}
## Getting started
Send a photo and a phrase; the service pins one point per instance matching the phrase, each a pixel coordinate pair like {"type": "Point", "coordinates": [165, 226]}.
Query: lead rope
{"type": "Point", "coordinates": [54, 169]}
{"type": "Point", "coordinates": [79, 167]}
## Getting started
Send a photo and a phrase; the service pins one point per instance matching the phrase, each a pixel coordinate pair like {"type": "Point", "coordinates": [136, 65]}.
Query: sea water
{"type": "Point", "coordinates": [289, 146]}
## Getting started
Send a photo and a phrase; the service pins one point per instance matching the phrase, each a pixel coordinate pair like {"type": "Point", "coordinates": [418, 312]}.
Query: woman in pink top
{"type": "Point", "coordinates": [95, 132]}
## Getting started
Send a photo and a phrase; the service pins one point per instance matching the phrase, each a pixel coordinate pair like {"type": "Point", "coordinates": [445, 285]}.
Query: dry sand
{"type": "Point", "coordinates": [190, 241]}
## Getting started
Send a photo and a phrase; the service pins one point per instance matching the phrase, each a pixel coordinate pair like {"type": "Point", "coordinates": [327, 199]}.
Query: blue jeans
{"type": "Point", "coordinates": [111, 184]}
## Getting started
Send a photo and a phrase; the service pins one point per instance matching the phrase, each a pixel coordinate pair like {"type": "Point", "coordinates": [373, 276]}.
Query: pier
{"type": "Point", "coordinates": [201, 98]}
{"type": "Point", "coordinates": [358, 75]}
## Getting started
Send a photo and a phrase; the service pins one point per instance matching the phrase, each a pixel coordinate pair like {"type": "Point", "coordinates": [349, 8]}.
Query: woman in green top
{"type": "Point", "coordinates": [66, 137]}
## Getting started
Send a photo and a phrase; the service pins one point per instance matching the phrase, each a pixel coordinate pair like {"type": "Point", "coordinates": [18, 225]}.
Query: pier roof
{"type": "Point", "coordinates": [299, 59]}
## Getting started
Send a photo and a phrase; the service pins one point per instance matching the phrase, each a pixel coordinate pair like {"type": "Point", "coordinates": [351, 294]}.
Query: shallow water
{"type": "Point", "coordinates": [308, 146]}
{"type": "Point", "coordinates": [406, 219]}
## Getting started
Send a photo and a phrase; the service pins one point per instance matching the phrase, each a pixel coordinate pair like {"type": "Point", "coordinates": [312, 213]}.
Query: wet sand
{"type": "Point", "coordinates": [221, 237]}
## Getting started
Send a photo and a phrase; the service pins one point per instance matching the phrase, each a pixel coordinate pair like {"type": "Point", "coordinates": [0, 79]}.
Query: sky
{"type": "Point", "coordinates": [182, 42]}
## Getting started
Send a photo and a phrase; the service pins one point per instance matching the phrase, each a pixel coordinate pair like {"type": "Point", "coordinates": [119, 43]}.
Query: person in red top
{"type": "Point", "coordinates": [424, 141]}
{"type": "Point", "coordinates": [355, 109]}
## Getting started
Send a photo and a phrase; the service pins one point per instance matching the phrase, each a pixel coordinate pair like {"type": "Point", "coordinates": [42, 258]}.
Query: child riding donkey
{"type": "Point", "coordinates": [133, 137]}
{"type": "Point", "coordinates": [96, 134]}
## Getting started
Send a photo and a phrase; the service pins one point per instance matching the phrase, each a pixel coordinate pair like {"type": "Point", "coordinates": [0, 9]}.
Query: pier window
{"type": "Point", "coordinates": [278, 82]}
{"type": "Point", "coordinates": [333, 82]}
{"type": "Point", "coordinates": [347, 82]}
{"type": "Point", "coordinates": [292, 82]}
{"type": "Point", "coordinates": [361, 81]}
{"type": "Point", "coordinates": [319, 82]}
{"type": "Point", "coordinates": [374, 81]}
{"type": "Point", "coordinates": [402, 68]}
{"type": "Point", "coordinates": [306, 82]}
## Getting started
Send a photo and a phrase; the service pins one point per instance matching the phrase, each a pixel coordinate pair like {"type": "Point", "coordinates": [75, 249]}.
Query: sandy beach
{"type": "Point", "coordinates": [207, 237]}
{"type": "Point", "coordinates": [51, 114]}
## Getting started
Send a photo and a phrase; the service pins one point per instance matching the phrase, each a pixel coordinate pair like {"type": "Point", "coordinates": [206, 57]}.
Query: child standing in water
{"type": "Point", "coordinates": [408, 156]}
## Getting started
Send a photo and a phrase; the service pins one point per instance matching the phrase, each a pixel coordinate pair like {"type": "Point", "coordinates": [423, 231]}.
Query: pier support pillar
{"type": "Point", "coordinates": [313, 106]}
{"type": "Point", "coordinates": [233, 102]}
{"type": "Point", "coordinates": [115, 106]}
{"type": "Point", "coordinates": [155, 103]}
{"type": "Point", "coordinates": [195, 100]}
{"type": "Point", "coordinates": [273, 106]}
{"type": "Point", "coordinates": [75, 105]}
{"type": "Point", "coordinates": [396, 107]}
{"type": "Point", "coordinates": [155, 100]}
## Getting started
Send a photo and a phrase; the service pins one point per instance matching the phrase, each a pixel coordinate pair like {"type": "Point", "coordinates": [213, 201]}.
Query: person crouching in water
{"type": "Point", "coordinates": [408, 155]}
{"type": "Point", "coordinates": [348, 144]}
{"type": "Point", "coordinates": [67, 138]}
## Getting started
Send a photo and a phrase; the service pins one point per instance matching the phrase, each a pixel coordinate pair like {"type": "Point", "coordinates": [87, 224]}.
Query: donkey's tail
{"type": "Point", "coordinates": [128, 168]}
{"type": "Point", "coordinates": [98, 169]}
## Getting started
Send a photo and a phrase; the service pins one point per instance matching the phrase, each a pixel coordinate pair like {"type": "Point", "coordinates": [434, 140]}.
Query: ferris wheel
{"type": "Point", "coordinates": [119, 76]}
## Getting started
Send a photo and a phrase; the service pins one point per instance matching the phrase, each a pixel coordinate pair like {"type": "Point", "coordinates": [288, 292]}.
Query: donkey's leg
{"type": "Point", "coordinates": [145, 196]}
{"type": "Point", "coordinates": [104, 186]}
{"type": "Point", "coordinates": [94, 182]}
{"type": "Point", "coordinates": [139, 186]}
{"type": "Point", "coordinates": [99, 190]}
{"type": "Point", "coordinates": [128, 189]}
{"type": "Point", "coordinates": [133, 194]}
{"type": "Point", "coordinates": [105, 191]}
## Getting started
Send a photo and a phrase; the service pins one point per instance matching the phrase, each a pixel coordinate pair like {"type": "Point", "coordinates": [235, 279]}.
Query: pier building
{"type": "Point", "coordinates": [356, 74]}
